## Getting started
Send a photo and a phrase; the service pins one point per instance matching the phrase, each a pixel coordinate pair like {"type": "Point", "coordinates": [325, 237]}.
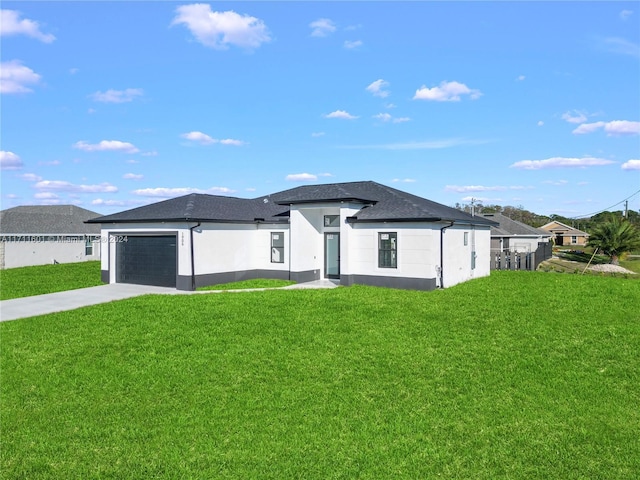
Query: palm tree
{"type": "Point", "coordinates": [615, 237]}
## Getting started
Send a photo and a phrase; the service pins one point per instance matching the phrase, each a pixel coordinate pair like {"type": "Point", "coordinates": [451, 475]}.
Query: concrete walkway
{"type": "Point", "coordinates": [83, 297]}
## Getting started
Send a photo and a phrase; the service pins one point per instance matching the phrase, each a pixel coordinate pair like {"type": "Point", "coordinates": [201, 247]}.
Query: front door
{"type": "Point", "coordinates": [332, 255]}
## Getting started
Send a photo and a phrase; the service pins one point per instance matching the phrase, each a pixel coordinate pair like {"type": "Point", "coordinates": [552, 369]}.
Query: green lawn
{"type": "Point", "coordinates": [38, 280]}
{"type": "Point", "coordinates": [522, 375]}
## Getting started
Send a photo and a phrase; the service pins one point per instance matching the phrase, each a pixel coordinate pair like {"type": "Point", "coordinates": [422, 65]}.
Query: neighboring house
{"type": "Point", "coordinates": [514, 236]}
{"type": "Point", "coordinates": [564, 235]}
{"type": "Point", "coordinates": [38, 235]}
{"type": "Point", "coordinates": [357, 233]}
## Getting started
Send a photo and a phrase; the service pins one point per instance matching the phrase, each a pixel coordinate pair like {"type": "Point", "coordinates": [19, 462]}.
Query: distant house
{"type": "Point", "coordinates": [38, 235]}
{"type": "Point", "coordinates": [515, 236]}
{"type": "Point", "coordinates": [354, 233]}
{"type": "Point", "coordinates": [564, 235]}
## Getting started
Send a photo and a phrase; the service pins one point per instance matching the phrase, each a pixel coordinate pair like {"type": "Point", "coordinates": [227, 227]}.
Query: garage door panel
{"type": "Point", "coordinates": [147, 260]}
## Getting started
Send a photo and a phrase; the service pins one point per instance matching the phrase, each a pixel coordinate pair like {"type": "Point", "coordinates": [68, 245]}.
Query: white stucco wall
{"type": "Point", "coordinates": [46, 249]}
{"type": "Point", "coordinates": [221, 248]}
{"type": "Point", "coordinates": [218, 247]}
{"type": "Point", "coordinates": [457, 255]}
{"type": "Point", "coordinates": [417, 255]}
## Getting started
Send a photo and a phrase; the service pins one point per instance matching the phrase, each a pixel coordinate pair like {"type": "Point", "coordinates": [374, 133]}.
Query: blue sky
{"type": "Point", "coordinates": [112, 105]}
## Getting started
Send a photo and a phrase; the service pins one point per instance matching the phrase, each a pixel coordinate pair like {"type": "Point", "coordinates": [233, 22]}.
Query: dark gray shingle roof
{"type": "Point", "coordinates": [380, 203]}
{"type": "Point", "coordinates": [202, 207]}
{"type": "Point", "coordinates": [47, 219]}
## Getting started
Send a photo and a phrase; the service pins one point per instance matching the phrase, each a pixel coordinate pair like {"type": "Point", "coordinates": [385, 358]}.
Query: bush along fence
{"type": "Point", "coordinates": [514, 260]}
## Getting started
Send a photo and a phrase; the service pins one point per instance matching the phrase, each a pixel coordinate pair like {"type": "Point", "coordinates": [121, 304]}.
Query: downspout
{"type": "Point", "coordinates": [442, 253]}
{"type": "Point", "coordinates": [193, 262]}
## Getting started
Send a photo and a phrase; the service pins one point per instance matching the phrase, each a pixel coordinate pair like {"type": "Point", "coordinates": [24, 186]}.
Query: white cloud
{"type": "Point", "coordinates": [556, 162]}
{"type": "Point", "coordinates": [117, 96]}
{"type": "Point", "coordinates": [446, 92]}
{"type": "Point", "coordinates": [52, 163]}
{"type": "Point", "coordinates": [384, 117]}
{"type": "Point", "coordinates": [132, 176]}
{"type": "Point", "coordinates": [556, 183]}
{"type": "Point", "coordinates": [352, 44]}
{"type": "Point", "coordinates": [10, 161]}
{"type": "Point", "coordinates": [15, 77]}
{"type": "Point", "coordinates": [624, 14]}
{"type": "Point", "coordinates": [376, 88]}
{"type": "Point", "coordinates": [74, 70]}
{"type": "Point", "coordinates": [179, 191]}
{"type": "Point", "coordinates": [613, 128]}
{"type": "Point", "coordinates": [471, 188]}
{"type": "Point", "coordinates": [60, 185]}
{"type": "Point", "coordinates": [12, 24]}
{"type": "Point", "coordinates": [204, 139]}
{"type": "Point", "coordinates": [574, 116]}
{"type": "Point", "coordinates": [106, 146]}
{"type": "Point", "coordinates": [326, 174]}
{"type": "Point", "coordinates": [147, 154]}
{"type": "Point", "coordinates": [116, 203]}
{"type": "Point", "coordinates": [219, 30]}
{"type": "Point", "coordinates": [340, 114]}
{"type": "Point", "coordinates": [540, 123]}
{"type": "Point", "coordinates": [318, 134]}
{"type": "Point", "coordinates": [231, 141]}
{"type": "Point", "coordinates": [631, 165]}
{"type": "Point", "coordinates": [46, 196]}
{"type": "Point", "coordinates": [322, 27]}
{"type": "Point", "coordinates": [480, 199]}
{"type": "Point", "coordinates": [428, 145]}
{"type": "Point", "coordinates": [622, 46]}
{"type": "Point", "coordinates": [520, 78]}
{"type": "Point", "coordinates": [30, 177]}
{"type": "Point", "coordinates": [199, 137]}
{"type": "Point", "coordinates": [301, 177]}
{"type": "Point", "coordinates": [404, 180]}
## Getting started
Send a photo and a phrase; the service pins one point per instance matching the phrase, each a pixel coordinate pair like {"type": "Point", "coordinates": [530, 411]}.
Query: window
{"type": "Point", "coordinates": [466, 238]}
{"type": "Point", "coordinates": [332, 220]}
{"type": "Point", "coordinates": [88, 247]}
{"type": "Point", "coordinates": [277, 247]}
{"type": "Point", "coordinates": [387, 250]}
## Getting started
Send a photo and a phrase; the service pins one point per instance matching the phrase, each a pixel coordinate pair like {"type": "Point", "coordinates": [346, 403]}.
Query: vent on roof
{"type": "Point", "coordinates": [265, 200]}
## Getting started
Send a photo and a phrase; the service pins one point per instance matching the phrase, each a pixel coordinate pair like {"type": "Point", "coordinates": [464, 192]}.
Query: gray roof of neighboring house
{"type": "Point", "coordinates": [380, 203]}
{"type": "Point", "coordinates": [47, 219]}
{"type": "Point", "coordinates": [508, 227]}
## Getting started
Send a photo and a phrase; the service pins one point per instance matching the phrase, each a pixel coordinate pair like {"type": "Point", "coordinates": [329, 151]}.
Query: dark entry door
{"type": "Point", "coordinates": [147, 260]}
{"type": "Point", "coordinates": [332, 255]}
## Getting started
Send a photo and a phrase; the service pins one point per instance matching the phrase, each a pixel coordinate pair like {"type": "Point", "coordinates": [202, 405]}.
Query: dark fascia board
{"type": "Point", "coordinates": [327, 200]}
{"type": "Point", "coordinates": [392, 220]}
{"type": "Point", "coordinates": [191, 220]}
{"type": "Point", "coordinates": [420, 219]}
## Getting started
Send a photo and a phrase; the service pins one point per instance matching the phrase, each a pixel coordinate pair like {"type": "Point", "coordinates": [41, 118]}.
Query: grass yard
{"type": "Point", "coordinates": [41, 279]}
{"type": "Point", "coordinates": [522, 375]}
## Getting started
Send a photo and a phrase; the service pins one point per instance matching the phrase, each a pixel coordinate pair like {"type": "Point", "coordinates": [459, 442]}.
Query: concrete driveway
{"type": "Point", "coordinates": [84, 297]}
{"type": "Point", "coordinates": [72, 299]}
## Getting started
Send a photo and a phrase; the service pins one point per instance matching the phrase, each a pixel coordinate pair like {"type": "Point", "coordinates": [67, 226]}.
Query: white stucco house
{"type": "Point", "coordinates": [46, 234]}
{"type": "Point", "coordinates": [357, 233]}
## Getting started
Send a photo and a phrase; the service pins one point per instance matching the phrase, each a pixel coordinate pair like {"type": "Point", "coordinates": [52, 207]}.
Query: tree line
{"type": "Point", "coordinates": [520, 214]}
